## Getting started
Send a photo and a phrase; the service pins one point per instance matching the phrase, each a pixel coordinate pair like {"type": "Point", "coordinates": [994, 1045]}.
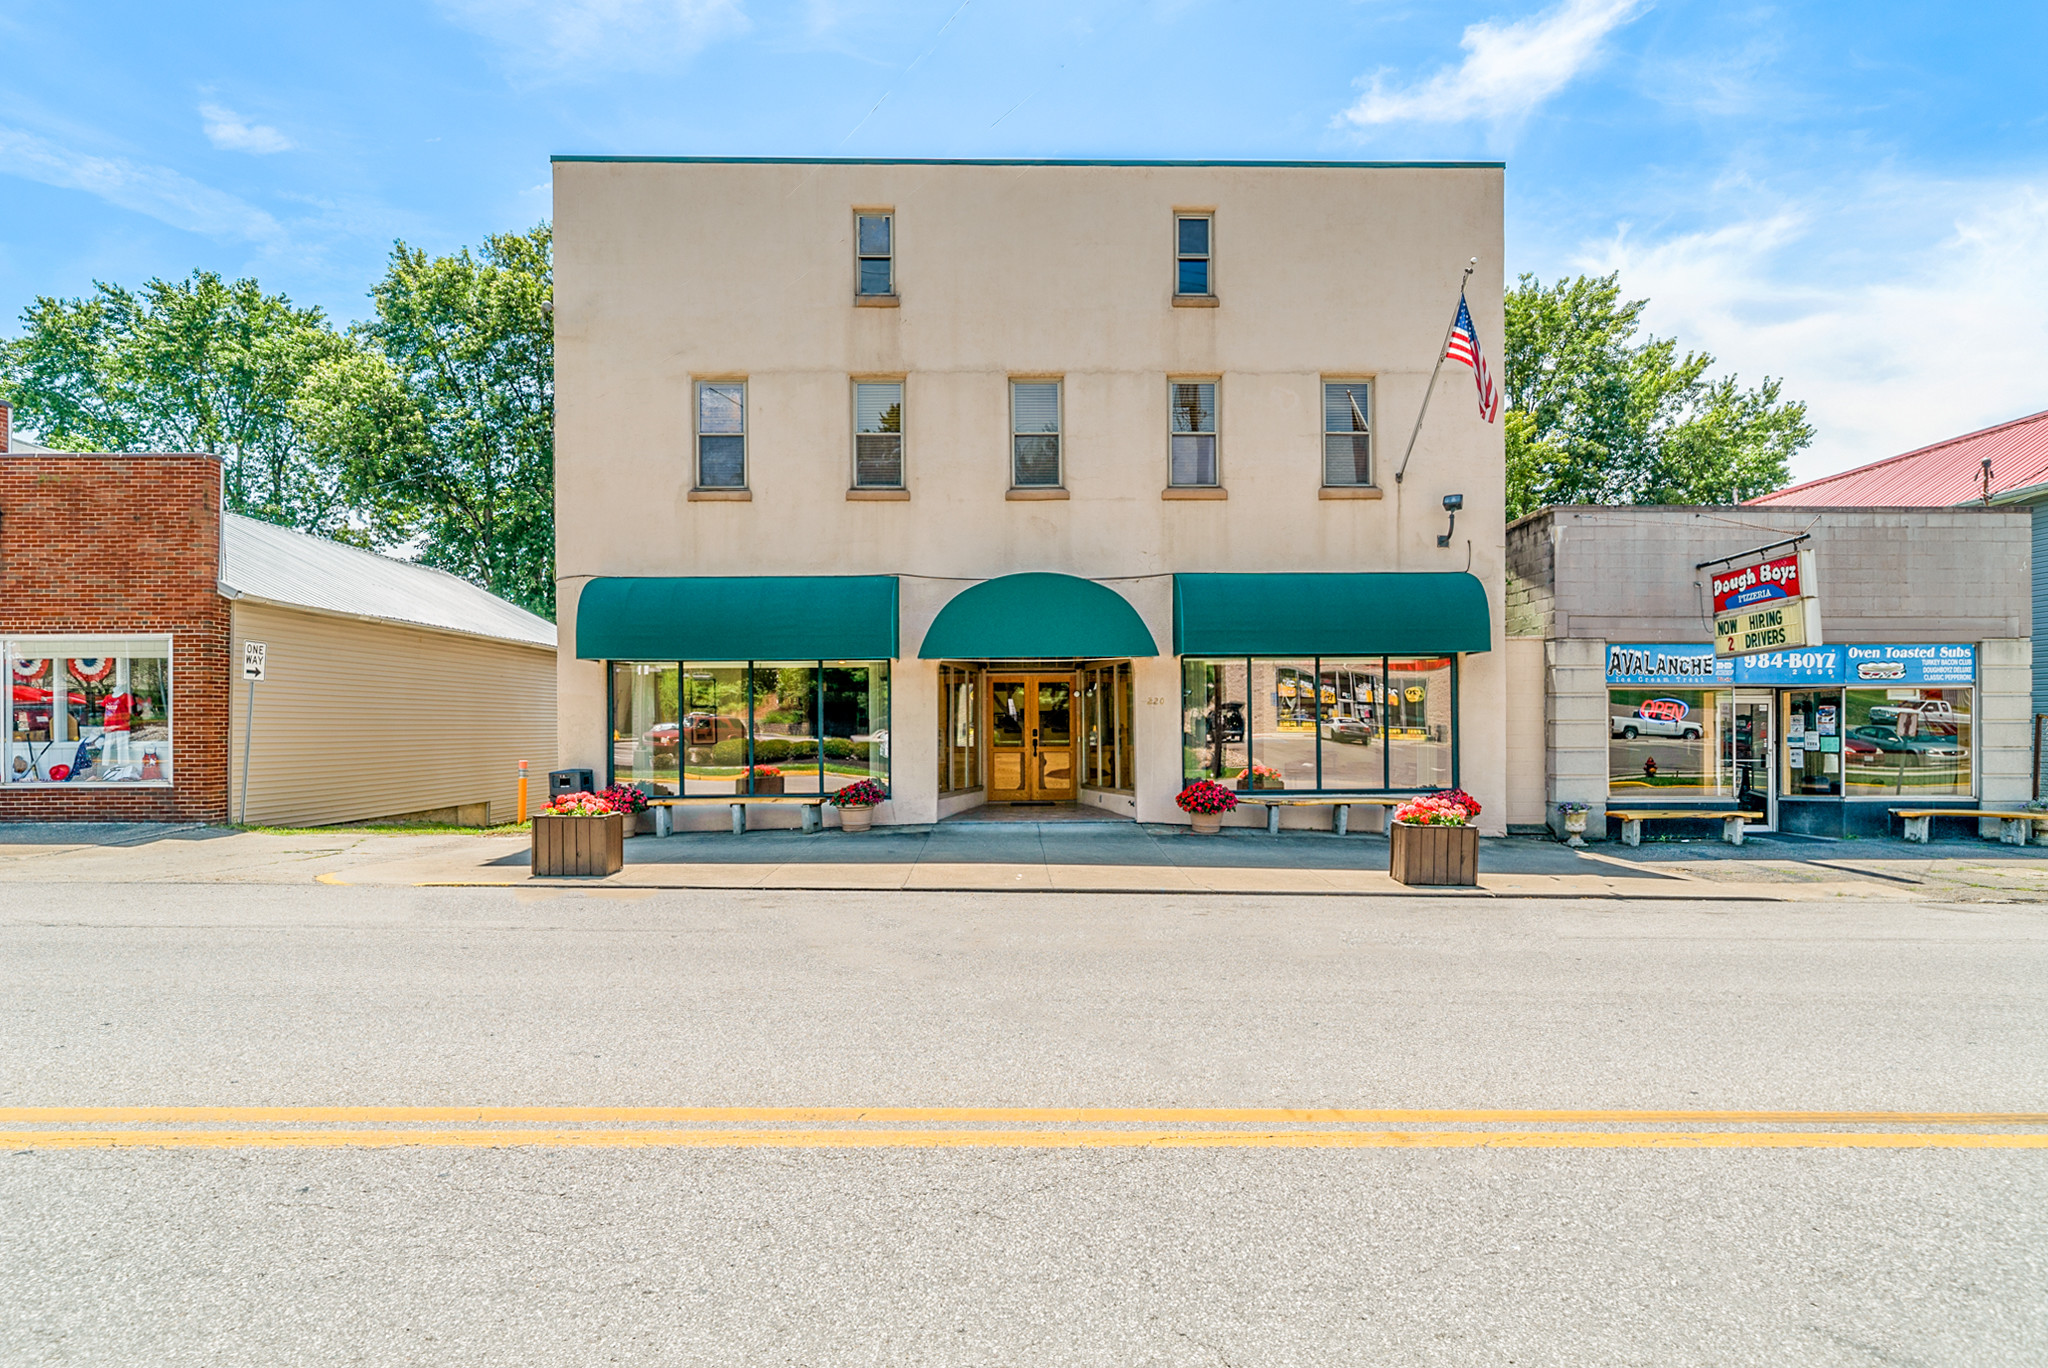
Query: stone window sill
{"type": "Point", "coordinates": [1350, 492]}
{"type": "Point", "coordinates": [721, 496]}
{"type": "Point", "coordinates": [1194, 492]}
{"type": "Point", "coordinates": [1194, 301]}
{"type": "Point", "coordinates": [887, 301]}
{"type": "Point", "coordinates": [878, 496]}
{"type": "Point", "coordinates": [1026, 495]}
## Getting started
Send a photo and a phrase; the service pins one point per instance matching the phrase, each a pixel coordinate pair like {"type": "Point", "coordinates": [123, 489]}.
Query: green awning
{"type": "Point", "coordinates": [755, 617]}
{"type": "Point", "coordinates": [1306, 615]}
{"type": "Point", "coordinates": [1037, 617]}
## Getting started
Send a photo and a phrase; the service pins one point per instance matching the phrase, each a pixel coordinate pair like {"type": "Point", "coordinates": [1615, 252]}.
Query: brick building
{"type": "Point", "coordinates": [126, 598]}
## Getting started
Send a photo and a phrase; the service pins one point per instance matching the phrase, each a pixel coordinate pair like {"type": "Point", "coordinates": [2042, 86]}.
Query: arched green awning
{"type": "Point", "coordinates": [1037, 616]}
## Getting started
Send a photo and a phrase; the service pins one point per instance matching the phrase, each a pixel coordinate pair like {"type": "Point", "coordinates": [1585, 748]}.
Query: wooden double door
{"type": "Point", "coordinates": [1030, 738]}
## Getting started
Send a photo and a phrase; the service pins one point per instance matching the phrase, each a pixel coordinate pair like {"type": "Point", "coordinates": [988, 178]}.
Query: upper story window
{"type": "Point", "coordinates": [878, 434]}
{"type": "Point", "coordinates": [1191, 244]}
{"type": "Point", "coordinates": [1347, 432]}
{"type": "Point", "coordinates": [875, 246]}
{"type": "Point", "coordinates": [1035, 434]}
{"type": "Point", "coordinates": [1194, 431]}
{"type": "Point", "coordinates": [721, 434]}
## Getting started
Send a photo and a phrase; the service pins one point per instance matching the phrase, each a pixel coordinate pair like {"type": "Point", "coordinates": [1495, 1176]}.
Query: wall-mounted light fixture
{"type": "Point", "coordinates": [1452, 503]}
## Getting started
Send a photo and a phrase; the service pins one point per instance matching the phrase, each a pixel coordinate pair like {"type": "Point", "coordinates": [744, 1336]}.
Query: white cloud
{"type": "Point", "coordinates": [230, 132]}
{"type": "Point", "coordinates": [157, 191]}
{"type": "Point", "coordinates": [572, 39]}
{"type": "Point", "coordinates": [1901, 311]}
{"type": "Point", "coordinates": [1508, 69]}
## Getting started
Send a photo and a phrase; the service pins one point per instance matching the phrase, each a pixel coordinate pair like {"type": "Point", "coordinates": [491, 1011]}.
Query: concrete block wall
{"type": "Point", "coordinates": [2004, 723]}
{"type": "Point", "coordinates": [1575, 729]}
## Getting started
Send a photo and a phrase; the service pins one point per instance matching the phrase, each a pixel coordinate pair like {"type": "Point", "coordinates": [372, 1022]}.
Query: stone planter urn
{"type": "Point", "coordinates": [578, 846]}
{"type": "Point", "coordinates": [856, 818]}
{"type": "Point", "coordinates": [1574, 828]}
{"type": "Point", "coordinates": [1437, 855]}
{"type": "Point", "coordinates": [2041, 828]}
{"type": "Point", "coordinates": [1206, 823]}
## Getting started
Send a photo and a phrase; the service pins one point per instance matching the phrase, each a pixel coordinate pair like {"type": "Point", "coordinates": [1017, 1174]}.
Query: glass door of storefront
{"type": "Point", "coordinates": [1031, 738]}
{"type": "Point", "coordinates": [1752, 758]}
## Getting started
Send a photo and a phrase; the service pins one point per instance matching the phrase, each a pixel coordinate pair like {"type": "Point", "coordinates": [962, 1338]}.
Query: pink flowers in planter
{"type": "Point", "coordinates": [624, 798]}
{"type": "Point", "coordinates": [1451, 807]}
{"type": "Point", "coordinates": [578, 805]}
{"type": "Point", "coordinates": [1206, 798]}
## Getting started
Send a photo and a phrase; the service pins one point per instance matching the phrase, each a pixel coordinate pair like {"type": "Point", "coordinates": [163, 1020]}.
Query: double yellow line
{"type": "Point", "coordinates": [1002, 1128]}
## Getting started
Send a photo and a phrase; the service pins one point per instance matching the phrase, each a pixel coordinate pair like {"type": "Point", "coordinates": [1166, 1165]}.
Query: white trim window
{"type": "Point", "coordinates": [1035, 434]}
{"type": "Point", "coordinates": [1193, 405]}
{"type": "Point", "coordinates": [721, 434]}
{"type": "Point", "coordinates": [875, 254]}
{"type": "Point", "coordinates": [1193, 255]}
{"type": "Point", "coordinates": [878, 434]}
{"type": "Point", "coordinates": [1347, 433]}
{"type": "Point", "coordinates": [87, 710]}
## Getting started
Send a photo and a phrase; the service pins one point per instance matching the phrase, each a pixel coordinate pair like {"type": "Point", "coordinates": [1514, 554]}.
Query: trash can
{"type": "Point", "coordinates": [571, 781]}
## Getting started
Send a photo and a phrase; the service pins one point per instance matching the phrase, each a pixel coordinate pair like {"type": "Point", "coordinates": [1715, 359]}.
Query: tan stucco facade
{"type": "Point", "coordinates": [358, 719]}
{"type": "Point", "coordinates": [669, 272]}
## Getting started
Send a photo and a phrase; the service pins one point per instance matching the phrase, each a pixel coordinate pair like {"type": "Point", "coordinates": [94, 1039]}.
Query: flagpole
{"type": "Point", "coordinates": [1442, 347]}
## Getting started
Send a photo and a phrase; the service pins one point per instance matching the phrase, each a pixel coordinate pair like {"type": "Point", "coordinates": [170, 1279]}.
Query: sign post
{"type": "Point", "coordinates": [1766, 603]}
{"type": "Point", "coordinates": [253, 659]}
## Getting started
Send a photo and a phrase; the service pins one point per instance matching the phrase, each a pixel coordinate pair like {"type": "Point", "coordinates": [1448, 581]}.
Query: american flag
{"type": "Point", "coordinates": [1464, 346]}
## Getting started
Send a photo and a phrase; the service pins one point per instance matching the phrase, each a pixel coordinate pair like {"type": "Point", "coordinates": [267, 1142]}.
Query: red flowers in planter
{"type": "Point", "coordinates": [1205, 798]}
{"type": "Point", "coordinates": [1451, 807]}
{"type": "Point", "coordinates": [624, 798]}
{"type": "Point", "coordinates": [864, 794]}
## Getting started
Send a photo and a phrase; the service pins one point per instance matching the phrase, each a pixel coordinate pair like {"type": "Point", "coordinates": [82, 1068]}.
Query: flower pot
{"type": "Point", "coordinates": [856, 818]}
{"type": "Point", "coordinates": [1575, 828]}
{"type": "Point", "coordinates": [571, 846]}
{"type": "Point", "coordinates": [763, 783]}
{"type": "Point", "coordinates": [1206, 823]}
{"type": "Point", "coordinates": [1437, 855]}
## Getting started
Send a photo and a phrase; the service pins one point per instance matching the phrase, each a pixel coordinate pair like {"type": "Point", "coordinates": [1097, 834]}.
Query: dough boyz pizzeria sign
{"type": "Point", "coordinates": [1765, 603]}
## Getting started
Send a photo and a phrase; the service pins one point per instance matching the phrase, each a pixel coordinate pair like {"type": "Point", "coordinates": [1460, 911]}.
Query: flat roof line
{"type": "Point", "coordinates": [1037, 161]}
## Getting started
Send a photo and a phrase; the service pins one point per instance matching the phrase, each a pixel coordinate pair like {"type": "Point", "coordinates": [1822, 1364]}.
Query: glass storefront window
{"type": "Point", "coordinates": [1215, 725]}
{"type": "Point", "coordinates": [88, 710]}
{"type": "Point", "coordinates": [1668, 743]}
{"type": "Point", "coordinates": [1907, 743]}
{"type": "Point", "coordinates": [1364, 724]}
{"type": "Point", "coordinates": [959, 729]}
{"type": "Point", "coordinates": [1812, 765]}
{"type": "Point", "coordinates": [856, 711]}
{"type": "Point", "coordinates": [714, 728]}
{"type": "Point", "coordinates": [1106, 727]}
{"type": "Point", "coordinates": [785, 729]}
{"type": "Point", "coordinates": [646, 730]}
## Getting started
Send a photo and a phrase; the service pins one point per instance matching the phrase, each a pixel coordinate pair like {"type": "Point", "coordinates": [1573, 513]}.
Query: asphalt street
{"type": "Point", "coordinates": [805, 1252]}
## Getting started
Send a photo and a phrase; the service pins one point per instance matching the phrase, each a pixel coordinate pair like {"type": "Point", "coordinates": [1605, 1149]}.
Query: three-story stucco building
{"type": "Point", "coordinates": [1026, 482]}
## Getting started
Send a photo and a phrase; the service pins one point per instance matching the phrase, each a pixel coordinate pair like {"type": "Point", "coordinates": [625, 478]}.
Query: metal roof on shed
{"type": "Point", "coordinates": [1939, 476]}
{"type": "Point", "coordinates": [263, 561]}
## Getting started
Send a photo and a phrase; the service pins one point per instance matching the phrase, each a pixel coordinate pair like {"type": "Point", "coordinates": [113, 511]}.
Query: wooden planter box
{"type": "Point", "coordinates": [578, 845]}
{"type": "Point", "coordinates": [1251, 785]}
{"type": "Point", "coordinates": [763, 783]}
{"type": "Point", "coordinates": [1433, 854]}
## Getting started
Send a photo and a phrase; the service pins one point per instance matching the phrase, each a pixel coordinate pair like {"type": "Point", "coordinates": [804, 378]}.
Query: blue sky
{"type": "Point", "coordinates": [1851, 196]}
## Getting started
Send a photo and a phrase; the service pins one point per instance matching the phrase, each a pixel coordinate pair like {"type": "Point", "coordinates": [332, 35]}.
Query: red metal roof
{"type": "Point", "coordinates": [1939, 476]}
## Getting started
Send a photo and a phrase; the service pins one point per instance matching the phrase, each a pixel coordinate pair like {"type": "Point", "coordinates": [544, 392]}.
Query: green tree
{"type": "Point", "coordinates": [1598, 415]}
{"type": "Point", "coordinates": [443, 419]}
{"type": "Point", "coordinates": [202, 364]}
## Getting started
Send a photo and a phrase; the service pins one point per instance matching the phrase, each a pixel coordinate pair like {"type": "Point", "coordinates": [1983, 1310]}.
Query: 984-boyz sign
{"type": "Point", "coordinates": [1766, 604]}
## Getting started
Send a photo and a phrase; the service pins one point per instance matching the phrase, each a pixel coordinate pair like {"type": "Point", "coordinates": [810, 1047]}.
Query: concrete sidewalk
{"type": "Point", "coordinates": [1071, 857]}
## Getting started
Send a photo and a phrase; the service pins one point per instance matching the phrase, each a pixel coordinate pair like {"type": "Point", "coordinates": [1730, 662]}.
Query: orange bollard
{"type": "Point", "coordinates": [522, 793]}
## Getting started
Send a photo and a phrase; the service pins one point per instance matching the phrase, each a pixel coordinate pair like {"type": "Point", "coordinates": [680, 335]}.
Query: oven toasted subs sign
{"type": "Point", "coordinates": [1766, 603]}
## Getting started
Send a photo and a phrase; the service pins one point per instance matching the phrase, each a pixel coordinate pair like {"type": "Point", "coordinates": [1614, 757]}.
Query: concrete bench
{"type": "Point", "coordinates": [2013, 827]}
{"type": "Point", "coordinates": [812, 803]}
{"type": "Point", "coordinates": [1340, 822]}
{"type": "Point", "coordinates": [1632, 820]}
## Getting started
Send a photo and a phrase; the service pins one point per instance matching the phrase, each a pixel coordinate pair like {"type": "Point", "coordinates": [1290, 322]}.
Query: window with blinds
{"type": "Point", "coordinates": [1035, 434]}
{"type": "Point", "coordinates": [1194, 431]}
{"type": "Point", "coordinates": [878, 434]}
{"type": "Point", "coordinates": [721, 434]}
{"type": "Point", "coordinates": [1347, 432]}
